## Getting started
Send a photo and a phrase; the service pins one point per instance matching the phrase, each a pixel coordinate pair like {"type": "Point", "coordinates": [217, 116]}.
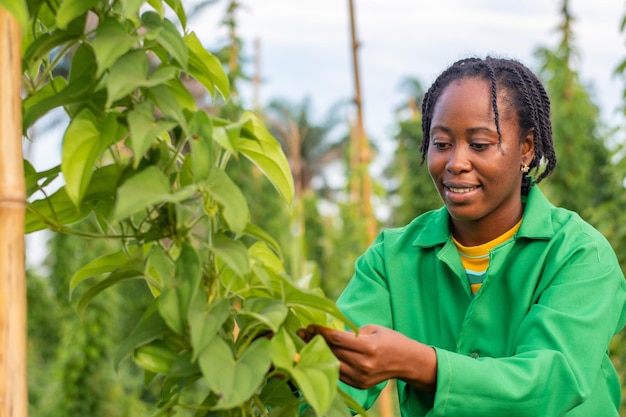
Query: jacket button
{"type": "Point", "coordinates": [474, 355]}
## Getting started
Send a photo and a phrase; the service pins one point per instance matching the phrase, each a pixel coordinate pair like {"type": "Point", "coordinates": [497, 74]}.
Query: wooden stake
{"type": "Point", "coordinates": [361, 147]}
{"type": "Point", "coordinates": [256, 78]}
{"type": "Point", "coordinates": [13, 386]}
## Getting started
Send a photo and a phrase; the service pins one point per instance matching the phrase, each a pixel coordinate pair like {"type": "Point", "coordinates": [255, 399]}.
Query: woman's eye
{"type": "Point", "coordinates": [480, 146]}
{"type": "Point", "coordinates": [441, 145]}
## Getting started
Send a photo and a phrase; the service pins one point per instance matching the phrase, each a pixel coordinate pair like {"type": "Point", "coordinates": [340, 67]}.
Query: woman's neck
{"type": "Point", "coordinates": [478, 232]}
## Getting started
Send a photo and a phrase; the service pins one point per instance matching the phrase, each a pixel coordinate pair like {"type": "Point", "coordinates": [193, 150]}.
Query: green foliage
{"type": "Point", "coordinates": [69, 356]}
{"type": "Point", "coordinates": [151, 169]}
{"type": "Point", "coordinates": [581, 149]}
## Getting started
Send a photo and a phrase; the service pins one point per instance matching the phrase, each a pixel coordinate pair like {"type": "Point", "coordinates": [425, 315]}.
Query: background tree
{"type": "Point", "coordinates": [581, 181]}
{"type": "Point", "coordinates": [311, 148]}
{"type": "Point", "coordinates": [412, 191]}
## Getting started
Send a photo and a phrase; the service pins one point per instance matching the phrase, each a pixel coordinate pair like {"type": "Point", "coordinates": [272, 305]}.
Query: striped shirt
{"type": "Point", "coordinates": [475, 259]}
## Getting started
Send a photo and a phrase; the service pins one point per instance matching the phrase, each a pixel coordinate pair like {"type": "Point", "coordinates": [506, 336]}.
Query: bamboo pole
{"type": "Point", "coordinates": [362, 157]}
{"type": "Point", "coordinates": [361, 148]}
{"type": "Point", "coordinates": [13, 387]}
{"type": "Point", "coordinates": [256, 78]}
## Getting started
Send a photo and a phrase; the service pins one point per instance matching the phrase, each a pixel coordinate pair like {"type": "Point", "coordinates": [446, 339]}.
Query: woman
{"type": "Point", "coordinates": [498, 303]}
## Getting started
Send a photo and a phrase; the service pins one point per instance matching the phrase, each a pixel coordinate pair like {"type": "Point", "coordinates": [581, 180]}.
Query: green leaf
{"type": "Point", "coordinates": [30, 176]}
{"type": "Point", "coordinates": [47, 94]}
{"type": "Point", "coordinates": [260, 147]}
{"type": "Point", "coordinates": [177, 7]}
{"type": "Point", "coordinates": [232, 252]}
{"type": "Point", "coordinates": [205, 322]}
{"type": "Point", "coordinates": [258, 233]}
{"type": "Point", "coordinates": [111, 41]}
{"type": "Point", "coordinates": [131, 8]}
{"type": "Point", "coordinates": [184, 98]}
{"type": "Point", "coordinates": [162, 75]}
{"type": "Point", "coordinates": [338, 408]}
{"type": "Point", "coordinates": [159, 267]}
{"type": "Point", "coordinates": [272, 313]}
{"type": "Point", "coordinates": [228, 195]}
{"type": "Point", "coordinates": [127, 73]}
{"type": "Point", "coordinates": [206, 68]}
{"type": "Point", "coordinates": [59, 210]}
{"type": "Point", "coordinates": [260, 252]}
{"type": "Point", "coordinates": [183, 367]}
{"type": "Point", "coordinates": [283, 351]}
{"type": "Point", "coordinates": [178, 293]}
{"type": "Point", "coordinates": [71, 9]}
{"type": "Point", "coordinates": [152, 24]}
{"type": "Point", "coordinates": [47, 42]}
{"type": "Point", "coordinates": [155, 357]}
{"type": "Point", "coordinates": [53, 211]}
{"type": "Point", "coordinates": [316, 374]}
{"type": "Point", "coordinates": [200, 129]}
{"type": "Point", "coordinates": [144, 129]}
{"type": "Point", "coordinates": [103, 184]}
{"type": "Point", "coordinates": [171, 40]}
{"type": "Point", "coordinates": [148, 330]}
{"type": "Point", "coordinates": [351, 402]}
{"type": "Point", "coordinates": [101, 265]}
{"type": "Point", "coordinates": [142, 190]}
{"type": "Point", "coordinates": [158, 6]}
{"type": "Point", "coordinates": [19, 10]}
{"type": "Point", "coordinates": [166, 101]}
{"type": "Point", "coordinates": [133, 269]}
{"type": "Point", "coordinates": [234, 380]}
{"type": "Point", "coordinates": [84, 142]}
{"type": "Point", "coordinates": [222, 138]}
{"type": "Point", "coordinates": [79, 89]}
{"type": "Point", "coordinates": [278, 396]}
{"type": "Point", "coordinates": [298, 297]}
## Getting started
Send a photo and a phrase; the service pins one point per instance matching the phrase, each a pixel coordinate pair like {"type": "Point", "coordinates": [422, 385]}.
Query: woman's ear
{"type": "Point", "coordinates": [528, 146]}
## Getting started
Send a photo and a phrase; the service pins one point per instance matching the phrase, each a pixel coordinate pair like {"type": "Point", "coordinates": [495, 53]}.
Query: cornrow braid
{"type": "Point", "coordinates": [528, 98]}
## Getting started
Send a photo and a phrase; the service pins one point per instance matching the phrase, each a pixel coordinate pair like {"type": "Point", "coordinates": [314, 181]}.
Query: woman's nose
{"type": "Point", "coordinates": [458, 161]}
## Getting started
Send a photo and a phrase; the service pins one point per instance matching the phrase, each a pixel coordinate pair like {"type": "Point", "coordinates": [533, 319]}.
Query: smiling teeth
{"type": "Point", "coordinates": [461, 190]}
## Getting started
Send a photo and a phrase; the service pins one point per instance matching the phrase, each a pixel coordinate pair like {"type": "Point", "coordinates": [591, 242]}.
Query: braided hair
{"type": "Point", "coordinates": [528, 98]}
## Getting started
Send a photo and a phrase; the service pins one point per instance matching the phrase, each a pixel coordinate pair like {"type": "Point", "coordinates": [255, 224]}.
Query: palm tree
{"type": "Point", "coordinates": [310, 147]}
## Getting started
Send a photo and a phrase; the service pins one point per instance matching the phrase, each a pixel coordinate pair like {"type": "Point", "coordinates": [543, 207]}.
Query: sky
{"type": "Point", "coordinates": [306, 46]}
{"type": "Point", "coordinates": [305, 52]}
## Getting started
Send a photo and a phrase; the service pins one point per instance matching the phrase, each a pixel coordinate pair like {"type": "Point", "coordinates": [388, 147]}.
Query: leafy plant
{"type": "Point", "coordinates": [142, 159]}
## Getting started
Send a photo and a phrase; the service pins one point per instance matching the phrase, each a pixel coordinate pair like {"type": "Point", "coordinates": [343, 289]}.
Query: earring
{"type": "Point", "coordinates": [525, 168]}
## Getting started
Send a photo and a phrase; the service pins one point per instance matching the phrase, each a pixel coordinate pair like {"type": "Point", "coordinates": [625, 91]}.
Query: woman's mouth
{"type": "Point", "coordinates": [461, 190]}
{"type": "Point", "coordinates": [460, 193]}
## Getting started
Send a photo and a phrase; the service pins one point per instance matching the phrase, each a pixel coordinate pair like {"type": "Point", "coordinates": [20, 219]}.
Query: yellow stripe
{"type": "Point", "coordinates": [476, 258]}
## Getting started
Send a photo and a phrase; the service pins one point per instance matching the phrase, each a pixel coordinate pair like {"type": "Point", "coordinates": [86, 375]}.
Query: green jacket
{"type": "Point", "coordinates": [534, 339]}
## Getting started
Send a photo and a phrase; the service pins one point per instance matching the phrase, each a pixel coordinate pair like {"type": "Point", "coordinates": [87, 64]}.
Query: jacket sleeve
{"type": "Point", "coordinates": [560, 351]}
{"type": "Point", "coordinates": [365, 300]}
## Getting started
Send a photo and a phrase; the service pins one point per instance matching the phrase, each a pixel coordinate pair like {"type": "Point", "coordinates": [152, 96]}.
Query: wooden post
{"type": "Point", "coordinates": [361, 148]}
{"type": "Point", "coordinates": [362, 157]}
{"type": "Point", "coordinates": [13, 386]}
{"type": "Point", "coordinates": [256, 78]}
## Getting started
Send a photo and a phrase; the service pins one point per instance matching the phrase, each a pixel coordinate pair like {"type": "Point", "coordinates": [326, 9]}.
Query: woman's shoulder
{"type": "Point", "coordinates": [560, 226]}
{"type": "Point", "coordinates": [428, 228]}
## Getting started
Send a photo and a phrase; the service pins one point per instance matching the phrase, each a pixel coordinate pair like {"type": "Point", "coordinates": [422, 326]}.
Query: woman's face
{"type": "Point", "coordinates": [478, 177]}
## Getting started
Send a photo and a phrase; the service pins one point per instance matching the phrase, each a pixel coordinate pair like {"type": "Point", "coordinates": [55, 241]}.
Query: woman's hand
{"type": "Point", "coordinates": [378, 354]}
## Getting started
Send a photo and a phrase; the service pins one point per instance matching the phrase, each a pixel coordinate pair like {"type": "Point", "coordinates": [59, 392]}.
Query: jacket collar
{"type": "Point", "coordinates": [537, 222]}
